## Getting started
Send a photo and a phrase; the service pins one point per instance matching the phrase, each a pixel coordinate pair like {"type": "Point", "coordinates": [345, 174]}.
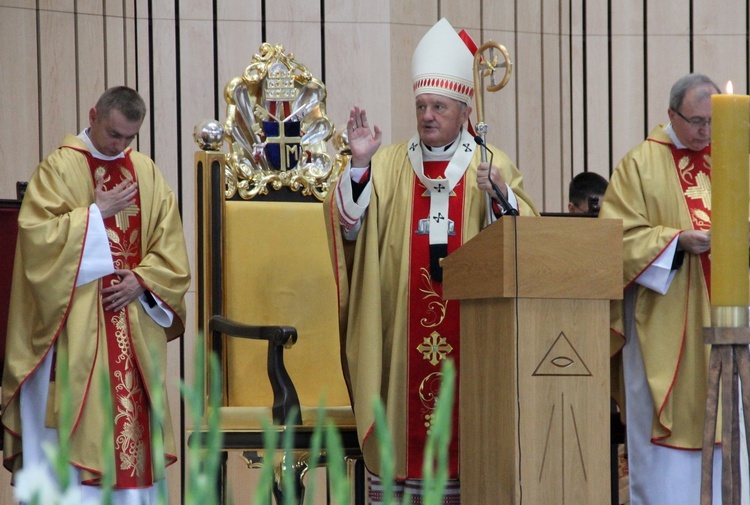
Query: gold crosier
{"type": "Point", "coordinates": [486, 67]}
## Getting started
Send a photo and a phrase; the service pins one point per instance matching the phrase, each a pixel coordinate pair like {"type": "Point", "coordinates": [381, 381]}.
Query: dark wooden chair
{"type": "Point", "coordinates": [9, 228]}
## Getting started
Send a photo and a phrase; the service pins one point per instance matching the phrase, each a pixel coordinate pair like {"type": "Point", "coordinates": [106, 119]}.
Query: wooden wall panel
{"type": "Point", "coordinates": [165, 95]}
{"type": "Point", "coordinates": [718, 63]}
{"type": "Point", "coordinates": [466, 15]}
{"type": "Point", "coordinates": [130, 45]}
{"type": "Point", "coordinates": [198, 87]}
{"type": "Point", "coordinates": [19, 99]}
{"type": "Point", "coordinates": [598, 88]}
{"type": "Point", "coordinates": [668, 56]}
{"type": "Point", "coordinates": [115, 48]}
{"type": "Point", "coordinates": [238, 35]}
{"type": "Point", "coordinates": [353, 80]}
{"type": "Point", "coordinates": [91, 63]}
{"type": "Point", "coordinates": [57, 81]}
{"type": "Point", "coordinates": [661, 74]}
{"type": "Point", "coordinates": [555, 178]}
{"type": "Point", "coordinates": [628, 122]}
{"type": "Point", "coordinates": [500, 110]}
{"type": "Point", "coordinates": [719, 42]}
{"type": "Point", "coordinates": [404, 40]}
{"type": "Point", "coordinates": [143, 70]}
{"type": "Point", "coordinates": [565, 102]}
{"type": "Point", "coordinates": [529, 103]}
{"type": "Point", "coordinates": [301, 33]}
{"type": "Point", "coordinates": [197, 94]}
{"type": "Point", "coordinates": [577, 66]}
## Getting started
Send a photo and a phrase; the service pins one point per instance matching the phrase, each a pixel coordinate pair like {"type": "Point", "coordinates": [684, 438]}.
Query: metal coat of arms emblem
{"type": "Point", "coordinates": [278, 130]}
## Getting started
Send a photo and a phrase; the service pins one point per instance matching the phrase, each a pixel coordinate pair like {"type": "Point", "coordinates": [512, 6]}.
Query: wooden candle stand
{"type": "Point", "coordinates": [729, 363]}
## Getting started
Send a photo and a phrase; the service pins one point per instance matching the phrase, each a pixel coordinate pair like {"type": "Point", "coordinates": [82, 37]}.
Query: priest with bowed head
{"type": "Point", "coordinates": [661, 191]}
{"type": "Point", "coordinates": [407, 206]}
{"type": "Point", "coordinates": [99, 282]}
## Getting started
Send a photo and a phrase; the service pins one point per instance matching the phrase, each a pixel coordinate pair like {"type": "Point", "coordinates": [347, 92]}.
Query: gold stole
{"type": "Point", "coordinates": [694, 173]}
{"type": "Point", "coordinates": [433, 326]}
{"type": "Point", "coordinates": [132, 435]}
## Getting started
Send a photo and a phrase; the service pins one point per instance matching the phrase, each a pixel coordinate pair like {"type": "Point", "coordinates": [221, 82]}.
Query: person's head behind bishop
{"type": "Point", "coordinates": [585, 193]}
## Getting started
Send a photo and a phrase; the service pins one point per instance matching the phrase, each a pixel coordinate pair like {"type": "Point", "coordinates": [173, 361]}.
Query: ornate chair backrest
{"type": "Point", "coordinates": [262, 246]}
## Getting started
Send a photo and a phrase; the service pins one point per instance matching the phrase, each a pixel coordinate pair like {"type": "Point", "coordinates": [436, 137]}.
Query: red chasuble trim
{"type": "Point", "coordinates": [433, 328]}
{"type": "Point", "coordinates": [132, 435]}
{"type": "Point", "coordinates": [694, 173]}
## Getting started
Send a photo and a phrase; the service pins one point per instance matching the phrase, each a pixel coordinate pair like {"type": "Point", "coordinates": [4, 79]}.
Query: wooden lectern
{"type": "Point", "coordinates": [534, 372]}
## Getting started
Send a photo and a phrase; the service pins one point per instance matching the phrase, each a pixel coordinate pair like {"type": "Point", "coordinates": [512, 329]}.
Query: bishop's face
{"type": "Point", "coordinates": [439, 118]}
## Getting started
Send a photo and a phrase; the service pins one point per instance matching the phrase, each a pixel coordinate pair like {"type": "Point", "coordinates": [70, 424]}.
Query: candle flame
{"type": "Point", "coordinates": [729, 88]}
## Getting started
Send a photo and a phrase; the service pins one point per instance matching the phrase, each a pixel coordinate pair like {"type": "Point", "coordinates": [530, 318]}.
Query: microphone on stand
{"type": "Point", "coordinates": [504, 203]}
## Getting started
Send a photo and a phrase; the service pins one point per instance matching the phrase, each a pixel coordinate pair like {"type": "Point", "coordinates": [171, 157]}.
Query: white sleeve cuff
{"type": "Point", "coordinates": [160, 313]}
{"type": "Point", "coordinates": [351, 212]}
{"type": "Point", "coordinates": [96, 261]}
{"type": "Point", "coordinates": [357, 173]}
{"type": "Point", "coordinates": [658, 276]}
{"type": "Point", "coordinates": [512, 198]}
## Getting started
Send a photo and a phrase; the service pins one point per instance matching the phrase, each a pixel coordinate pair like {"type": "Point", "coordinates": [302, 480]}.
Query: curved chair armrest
{"type": "Point", "coordinates": [276, 335]}
{"type": "Point", "coordinates": [286, 406]}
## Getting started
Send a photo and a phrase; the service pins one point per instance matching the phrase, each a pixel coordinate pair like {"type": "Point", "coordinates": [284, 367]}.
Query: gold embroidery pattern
{"type": "Point", "coordinates": [701, 190]}
{"type": "Point", "coordinates": [101, 171]}
{"type": "Point", "coordinates": [698, 187]}
{"type": "Point", "coordinates": [122, 218]}
{"type": "Point", "coordinates": [701, 219]}
{"type": "Point", "coordinates": [428, 394]}
{"type": "Point", "coordinates": [437, 307]}
{"type": "Point", "coordinates": [435, 348]}
{"type": "Point", "coordinates": [684, 168]}
{"type": "Point", "coordinates": [123, 250]}
{"type": "Point", "coordinates": [130, 439]}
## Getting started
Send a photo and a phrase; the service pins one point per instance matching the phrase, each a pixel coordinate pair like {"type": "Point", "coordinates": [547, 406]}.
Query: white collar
{"type": "Point", "coordinates": [443, 153]}
{"type": "Point", "coordinates": [673, 137]}
{"type": "Point", "coordinates": [84, 136]}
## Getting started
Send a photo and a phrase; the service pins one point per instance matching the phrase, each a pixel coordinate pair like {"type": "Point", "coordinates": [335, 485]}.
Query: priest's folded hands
{"type": "Point", "coordinates": [694, 241]}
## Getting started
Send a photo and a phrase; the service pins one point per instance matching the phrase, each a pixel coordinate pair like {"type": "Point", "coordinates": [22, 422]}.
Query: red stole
{"type": "Point", "coordinates": [433, 326]}
{"type": "Point", "coordinates": [694, 173]}
{"type": "Point", "coordinates": [132, 431]}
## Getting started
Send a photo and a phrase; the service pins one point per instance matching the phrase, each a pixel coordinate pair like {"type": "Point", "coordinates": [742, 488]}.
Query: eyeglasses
{"type": "Point", "coordinates": [695, 122]}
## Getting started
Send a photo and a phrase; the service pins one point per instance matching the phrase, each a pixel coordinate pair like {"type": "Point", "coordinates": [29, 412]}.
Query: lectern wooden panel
{"type": "Point", "coordinates": [534, 389]}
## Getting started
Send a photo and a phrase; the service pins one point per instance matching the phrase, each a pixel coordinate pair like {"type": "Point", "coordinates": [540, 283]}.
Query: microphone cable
{"type": "Point", "coordinates": [509, 210]}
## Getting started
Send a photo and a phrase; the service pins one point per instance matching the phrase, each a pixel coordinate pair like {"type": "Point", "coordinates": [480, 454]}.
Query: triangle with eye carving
{"type": "Point", "coordinates": [562, 359]}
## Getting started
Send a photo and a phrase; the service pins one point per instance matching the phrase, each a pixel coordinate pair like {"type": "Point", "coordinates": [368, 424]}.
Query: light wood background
{"type": "Point", "coordinates": [591, 78]}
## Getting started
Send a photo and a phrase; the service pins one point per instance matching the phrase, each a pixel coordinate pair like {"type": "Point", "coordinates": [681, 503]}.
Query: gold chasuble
{"type": "Point", "coordinates": [659, 190]}
{"type": "Point", "coordinates": [49, 312]}
{"type": "Point", "coordinates": [396, 327]}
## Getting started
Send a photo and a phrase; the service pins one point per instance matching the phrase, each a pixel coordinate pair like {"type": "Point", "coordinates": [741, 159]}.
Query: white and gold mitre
{"type": "Point", "coordinates": [443, 64]}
